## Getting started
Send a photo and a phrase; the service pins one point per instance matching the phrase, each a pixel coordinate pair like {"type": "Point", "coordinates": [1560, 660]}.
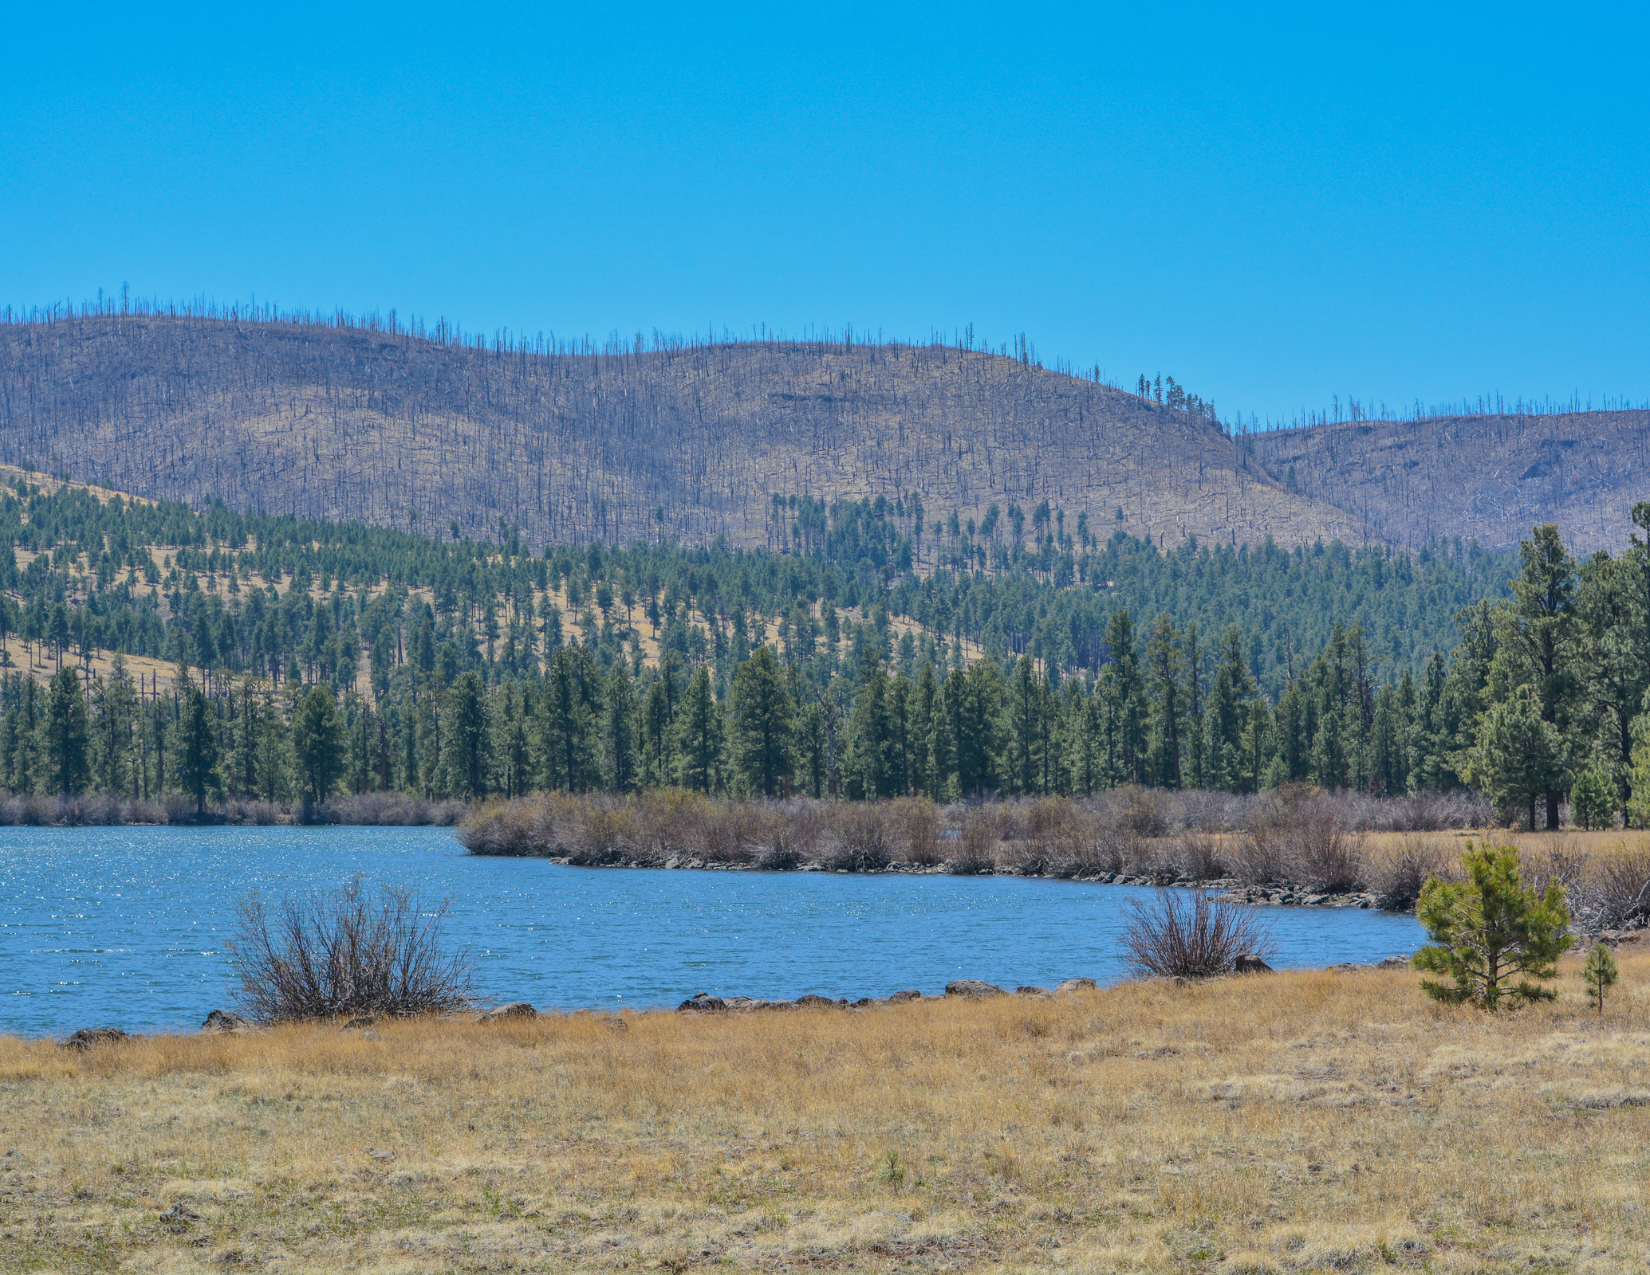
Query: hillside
{"type": "Point", "coordinates": [372, 425]}
{"type": "Point", "coordinates": [1484, 477]}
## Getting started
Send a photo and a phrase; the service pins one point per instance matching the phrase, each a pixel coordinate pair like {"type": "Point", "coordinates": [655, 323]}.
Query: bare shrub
{"type": "Point", "coordinates": [1614, 893]}
{"type": "Point", "coordinates": [1204, 810]}
{"type": "Point", "coordinates": [795, 834]}
{"type": "Point", "coordinates": [729, 832]}
{"type": "Point", "coordinates": [1298, 835]}
{"type": "Point", "coordinates": [1061, 836]}
{"type": "Point", "coordinates": [975, 849]}
{"type": "Point", "coordinates": [865, 838]}
{"type": "Point", "coordinates": [1397, 878]}
{"type": "Point", "coordinates": [1196, 936]}
{"type": "Point", "coordinates": [1200, 856]}
{"type": "Point", "coordinates": [919, 831]}
{"type": "Point", "coordinates": [601, 835]}
{"type": "Point", "coordinates": [1146, 812]}
{"type": "Point", "coordinates": [353, 951]}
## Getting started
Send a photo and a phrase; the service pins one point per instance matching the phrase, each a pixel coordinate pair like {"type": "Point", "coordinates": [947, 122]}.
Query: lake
{"type": "Point", "coordinates": [127, 927]}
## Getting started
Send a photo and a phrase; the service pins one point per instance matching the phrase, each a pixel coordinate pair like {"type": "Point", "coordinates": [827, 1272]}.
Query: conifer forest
{"type": "Point", "coordinates": [875, 649]}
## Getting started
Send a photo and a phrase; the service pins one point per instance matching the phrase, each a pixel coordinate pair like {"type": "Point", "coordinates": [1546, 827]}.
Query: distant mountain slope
{"type": "Point", "coordinates": [366, 425]}
{"type": "Point", "coordinates": [1484, 477]}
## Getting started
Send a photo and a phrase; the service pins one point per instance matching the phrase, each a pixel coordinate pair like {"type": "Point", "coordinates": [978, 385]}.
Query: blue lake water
{"type": "Point", "coordinates": [127, 927]}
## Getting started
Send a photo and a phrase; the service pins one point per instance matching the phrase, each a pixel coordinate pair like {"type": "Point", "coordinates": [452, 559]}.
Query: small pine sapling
{"type": "Point", "coordinates": [1491, 930]}
{"type": "Point", "coordinates": [1599, 973]}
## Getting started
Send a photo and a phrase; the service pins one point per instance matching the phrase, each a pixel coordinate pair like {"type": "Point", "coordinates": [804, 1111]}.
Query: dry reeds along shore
{"type": "Point", "coordinates": [1308, 1121]}
{"type": "Point", "coordinates": [1302, 839]}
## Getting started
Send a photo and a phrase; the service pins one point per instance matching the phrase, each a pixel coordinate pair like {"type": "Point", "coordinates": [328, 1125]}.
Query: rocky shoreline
{"type": "Point", "coordinates": [1226, 889]}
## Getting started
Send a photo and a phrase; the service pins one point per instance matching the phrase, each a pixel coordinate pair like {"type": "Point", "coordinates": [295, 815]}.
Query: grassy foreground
{"type": "Point", "coordinates": [1309, 1121]}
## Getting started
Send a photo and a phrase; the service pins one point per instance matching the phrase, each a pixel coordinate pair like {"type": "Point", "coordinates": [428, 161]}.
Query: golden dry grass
{"type": "Point", "coordinates": [1310, 1121]}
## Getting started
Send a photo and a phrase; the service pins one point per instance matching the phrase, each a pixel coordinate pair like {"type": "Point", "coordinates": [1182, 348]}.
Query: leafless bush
{"type": "Point", "coordinates": [1614, 893]}
{"type": "Point", "coordinates": [1146, 812]}
{"type": "Point", "coordinates": [975, 849]}
{"type": "Point", "coordinates": [1177, 936]}
{"type": "Point", "coordinates": [1297, 835]}
{"type": "Point", "coordinates": [796, 833]}
{"type": "Point", "coordinates": [919, 831]}
{"type": "Point", "coordinates": [1210, 811]}
{"type": "Point", "coordinates": [730, 832]}
{"type": "Point", "coordinates": [353, 951]}
{"type": "Point", "coordinates": [865, 838]}
{"type": "Point", "coordinates": [1397, 878]}
{"type": "Point", "coordinates": [1199, 856]}
{"type": "Point", "coordinates": [390, 809]}
{"type": "Point", "coordinates": [1061, 836]}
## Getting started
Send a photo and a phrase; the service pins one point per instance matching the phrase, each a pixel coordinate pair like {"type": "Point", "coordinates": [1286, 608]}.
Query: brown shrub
{"type": "Point", "coordinates": [975, 849]}
{"type": "Point", "coordinates": [1200, 856]}
{"type": "Point", "coordinates": [1397, 878]}
{"type": "Point", "coordinates": [1197, 937]}
{"type": "Point", "coordinates": [866, 838]}
{"type": "Point", "coordinates": [918, 820]}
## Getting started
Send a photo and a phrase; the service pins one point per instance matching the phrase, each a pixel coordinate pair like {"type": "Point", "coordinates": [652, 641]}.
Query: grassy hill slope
{"type": "Point", "coordinates": [390, 429]}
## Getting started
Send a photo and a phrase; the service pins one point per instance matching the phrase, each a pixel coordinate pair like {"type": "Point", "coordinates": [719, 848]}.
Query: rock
{"type": "Point", "coordinates": [515, 1009]}
{"type": "Point", "coordinates": [810, 1001]}
{"type": "Point", "coordinates": [88, 1037]}
{"type": "Point", "coordinates": [1180, 982]}
{"type": "Point", "coordinates": [899, 998]}
{"type": "Point", "coordinates": [1031, 991]}
{"type": "Point", "coordinates": [180, 1212]}
{"type": "Point", "coordinates": [1078, 985]}
{"type": "Point", "coordinates": [1347, 967]}
{"type": "Point", "coordinates": [1249, 963]}
{"type": "Point", "coordinates": [863, 1001]}
{"type": "Point", "coordinates": [369, 1034]}
{"type": "Point", "coordinates": [224, 1020]}
{"type": "Point", "coordinates": [1393, 963]}
{"type": "Point", "coordinates": [973, 987]}
{"type": "Point", "coordinates": [357, 1023]}
{"type": "Point", "coordinates": [377, 1154]}
{"type": "Point", "coordinates": [702, 1003]}
{"type": "Point", "coordinates": [614, 1023]}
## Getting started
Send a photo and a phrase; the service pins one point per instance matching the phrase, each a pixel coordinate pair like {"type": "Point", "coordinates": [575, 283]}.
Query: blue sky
{"type": "Point", "coordinates": [1275, 205]}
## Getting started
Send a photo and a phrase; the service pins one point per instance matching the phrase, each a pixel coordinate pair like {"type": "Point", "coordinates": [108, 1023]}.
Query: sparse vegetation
{"type": "Point", "coordinates": [1176, 936]}
{"type": "Point", "coordinates": [1308, 1121]}
{"type": "Point", "coordinates": [357, 950]}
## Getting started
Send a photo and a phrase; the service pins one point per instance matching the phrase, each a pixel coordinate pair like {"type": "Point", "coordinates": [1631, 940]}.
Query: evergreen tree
{"type": "Point", "coordinates": [114, 719]}
{"type": "Point", "coordinates": [763, 719]}
{"type": "Point", "coordinates": [1519, 758]}
{"type": "Point", "coordinates": [619, 729]}
{"type": "Point", "coordinates": [1168, 666]}
{"type": "Point", "coordinates": [66, 736]}
{"type": "Point", "coordinates": [465, 729]}
{"type": "Point", "coordinates": [1489, 930]}
{"type": "Point", "coordinates": [699, 735]}
{"type": "Point", "coordinates": [197, 745]}
{"type": "Point", "coordinates": [317, 743]}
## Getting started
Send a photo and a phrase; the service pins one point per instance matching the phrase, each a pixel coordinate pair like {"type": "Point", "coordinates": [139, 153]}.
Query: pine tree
{"type": "Point", "coordinates": [114, 717]}
{"type": "Point", "coordinates": [1600, 973]}
{"type": "Point", "coordinates": [619, 728]}
{"type": "Point", "coordinates": [699, 735]}
{"type": "Point", "coordinates": [196, 741]}
{"type": "Point", "coordinates": [763, 720]}
{"type": "Point", "coordinates": [464, 720]}
{"type": "Point", "coordinates": [66, 738]}
{"type": "Point", "coordinates": [1518, 758]}
{"type": "Point", "coordinates": [1489, 930]}
{"type": "Point", "coordinates": [317, 743]}
{"type": "Point", "coordinates": [1593, 799]}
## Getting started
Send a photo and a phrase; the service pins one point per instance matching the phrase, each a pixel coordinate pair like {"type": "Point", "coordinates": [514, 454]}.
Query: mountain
{"type": "Point", "coordinates": [377, 425]}
{"type": "Point", "coordinates": [1488, 477]}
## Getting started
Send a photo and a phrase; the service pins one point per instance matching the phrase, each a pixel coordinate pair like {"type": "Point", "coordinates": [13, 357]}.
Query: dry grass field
{"type": "Point", "coordinates": [1310, 1121]}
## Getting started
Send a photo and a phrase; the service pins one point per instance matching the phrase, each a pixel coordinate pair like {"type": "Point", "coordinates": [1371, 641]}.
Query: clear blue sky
{"type": "Point", "coordinates": [1275, 207]}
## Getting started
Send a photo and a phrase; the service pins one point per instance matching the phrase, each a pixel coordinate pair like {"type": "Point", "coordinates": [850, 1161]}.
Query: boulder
{"type": "Point", "coordinates": [515, 1009]}
{"type": "Point", "coordinates": [1393, 963]}
{"type": "Point", "coordinates": [357, 1023]}
{"type": "Point", "coordinates": [614, 1023]}
{"type": "Point", "coordinates": [809, 1000]}
{"type": "Point", "coordinates": [973, 987]}
{"type": "Point", "coordinates": [1249, 963]}
{"type": "Point", "coordinates": [225, 1020]}
{"type": "Point", "coordinates": [1031, 991]}
{"type": "Point", "coordinates": [1078, 985]}
{"type": "Point", "coordinates": [1347, 967]}
{"type": "Point", "coordinates": [89, 1037]}
{"type": "Point", "coordinates": [862, 1002]}
{"type": "Point", "coordinates": [702, 1003]}
{"type": "Point", "coordinates": [899, 998]}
